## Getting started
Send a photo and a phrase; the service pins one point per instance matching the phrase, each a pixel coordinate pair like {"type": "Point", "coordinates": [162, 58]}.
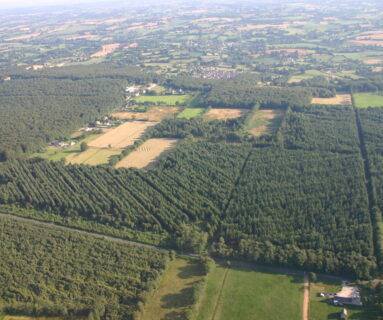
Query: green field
{"type": "Point", "coordinates": [245, 294]}
{"type": "Point", "coordinates": [173, 296]}
{"type": "Point", "coordinates": [320, 309]}
{"type": "Point", "coordinates": [365, 100]}
{"type": "Point", "coordinates": [169, 100]}
{"type": "Point", "coordinates": [264, 121]}
{"type": "Point", "coordinates": [189, 113]}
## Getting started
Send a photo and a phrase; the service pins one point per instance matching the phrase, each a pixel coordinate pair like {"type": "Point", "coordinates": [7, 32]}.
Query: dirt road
{"type": "Point", "coordinates": [306, 297]}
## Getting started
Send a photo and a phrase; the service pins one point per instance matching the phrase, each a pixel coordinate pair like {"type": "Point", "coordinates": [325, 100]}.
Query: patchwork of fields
{"type": "Point", "coordinates": [339, 99]}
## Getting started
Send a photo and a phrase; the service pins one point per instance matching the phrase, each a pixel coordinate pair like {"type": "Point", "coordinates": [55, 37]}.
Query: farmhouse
{"type": "Point", "coordinates": [348, 295]}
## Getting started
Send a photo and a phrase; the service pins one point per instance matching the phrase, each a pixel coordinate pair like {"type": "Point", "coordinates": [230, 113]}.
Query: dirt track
{"type": "Point", "coordinates": [306, 297]}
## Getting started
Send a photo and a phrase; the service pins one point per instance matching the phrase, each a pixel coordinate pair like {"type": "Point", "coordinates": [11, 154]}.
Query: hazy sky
{"type": "Point", "coordinates": [7, 4]}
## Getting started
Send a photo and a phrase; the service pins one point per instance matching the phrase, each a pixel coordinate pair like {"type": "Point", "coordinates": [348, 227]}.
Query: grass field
{"type": "Point", "coordinates": [174, 294]}
{"type": "Point", "coordinates": [93, 156]}
{"type": "Point", "coordinates": [122, 136]}
{"type": "Point", "coordinates": [170, 100]}
{"type": "Point", "coordinates": [189, 113]}
{"type": "Point", "coordinates": [343, 99]}
{"type": "Point", "coordinates": [320, 309]}
{"type": "Point", "coordinates": [365, 100]}
{"type": "Point", "coordinates": [153, 114]}
{"type": "Point", "coordinates": [224, 114]}
{"type": "Point", "coordinates": [245, 294]}
{"type": "Point", "coordinates": [264, 121]}
{"type": "Point", "coordinates": [146, 155]}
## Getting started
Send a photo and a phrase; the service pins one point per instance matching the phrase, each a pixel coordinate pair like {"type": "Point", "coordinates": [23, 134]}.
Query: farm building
{"type": "Point", "coordinates": [348, 295]}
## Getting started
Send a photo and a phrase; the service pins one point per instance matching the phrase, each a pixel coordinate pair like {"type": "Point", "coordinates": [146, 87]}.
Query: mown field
{"type": "Point", "coordinates": [264, 121]}
{"type": "Point", "coordinates": [246, 294]}
{"type": "Point", "coordinates": [365, 100]}
{"type": "Point", "coordinates": [169, 100]}
{"type": "Point", "coordinates": [189, 113]}
{"type": "Point", "coordinates": [174, 295]}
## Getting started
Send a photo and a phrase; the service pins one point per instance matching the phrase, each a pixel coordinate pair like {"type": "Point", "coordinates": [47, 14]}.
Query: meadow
{"type": "Point", "coordinates": [365, 100]}
{"type": "Point", "coordinates": [247, 294]}
{"type": "Point", "coordinates": [264, 121]}
{"type": "Point", "coordinates": [189, 113]}
{"type": "Point", "coordinates": [169, 100]}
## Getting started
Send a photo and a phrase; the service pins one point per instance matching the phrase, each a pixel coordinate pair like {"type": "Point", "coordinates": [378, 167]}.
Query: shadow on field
{"type": "Point", "coordinates": [192, 269]}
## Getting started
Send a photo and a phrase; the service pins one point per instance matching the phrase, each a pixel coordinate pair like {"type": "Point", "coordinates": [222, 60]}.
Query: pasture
{"type": "Point", "coordinates": [153, 114]}
{"type": "Point", "coordinates": [365, 100]}
{"type": "Point", "coordinates": [264, 121]}
{"type": "Point", "coordinates": [174, 294]}
{"type": "Point", "coordinates": [146, 155]}
{"type": "Point", "coordinates": [246, 294]}
{"type": "Point", "coordinates": [339, 99]}
{"type": "Point", "coordinates": [92, 156]}
{"type": "Point", "coordinates": [122, 136]}
{"type": "Point", "coordinates": [167, 100]}
{"type": "Point", "coordinates": [320, 309]}
{"type": "Point", "coordinates": [225, 114]}
{"type": "Point", "coordinates": [189, 113]}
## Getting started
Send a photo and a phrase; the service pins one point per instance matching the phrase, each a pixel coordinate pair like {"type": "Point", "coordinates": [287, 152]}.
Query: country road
{"type": "Point", "coordinates": [306, 297]}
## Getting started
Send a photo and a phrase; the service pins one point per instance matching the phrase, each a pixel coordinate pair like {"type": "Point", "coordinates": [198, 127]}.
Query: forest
{"type": "Point", "coordinates": [51, 272]}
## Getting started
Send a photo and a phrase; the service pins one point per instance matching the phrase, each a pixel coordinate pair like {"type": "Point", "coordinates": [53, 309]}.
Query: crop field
{"type": "Point", "coordinates": [264, 121]}
{"type": "Point", "coordinates": [93, 156]}
{"type": "Point", "coordinates": [189, 113]}
{"type": "Point", "coordinates": [169, 100]}
{"type": "Point", "coordinates": [339, 99]}
{"type": "Point", "coordinates": [245, 294]}
{"type": "Point", "coordinates": [146, 155]}
{"type": "Point", "coordinates": [224, 114]}
{"type": "Point", "coordinates": [365, 100]}
{"type": "Point", "coordinates": [153, 114]}
{"type": "Point", "coordinates": [174, 295]}
{"type": "Point", "coordinates": [320, 309]}
{"type": "Point", "coordinates": [122, 136]}
{"type": "Point", "coordinates": [105, 50]}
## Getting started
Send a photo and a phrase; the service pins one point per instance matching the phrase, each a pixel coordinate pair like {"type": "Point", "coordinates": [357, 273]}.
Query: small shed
{"type": "Point", "coordinates": [343, 314]}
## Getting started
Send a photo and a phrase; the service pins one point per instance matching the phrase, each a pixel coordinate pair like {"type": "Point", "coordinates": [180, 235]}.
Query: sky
{"type": "Point", "coordinates": [9, 4]}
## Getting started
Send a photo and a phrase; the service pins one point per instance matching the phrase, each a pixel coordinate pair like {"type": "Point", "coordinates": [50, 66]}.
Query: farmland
{"type": "Point", "coordinates": [174, 294]}
{"type": "Point", "coordinates": [189, 113]}
{"type": "Point", "coordinates": [122, 136]}
{"type": "Point", "coordinates": [166, 100]}
{"type": "Point", "coordinates": [146, 155]}
{"type": "Point", "coordinates": [230, 294]}
{"type": "Point", "coordinates": [339, 99]}
{"type": "Point", "coordinates": [224, 114]}
{"type": "Point", "coordinates": [365, 100]}
{"type": "Point", "coordinates": [264, 122]}
{"type": "Point", "coordinates": [93, 156]}
{"type": "Point", "coordinates": [153, 114]}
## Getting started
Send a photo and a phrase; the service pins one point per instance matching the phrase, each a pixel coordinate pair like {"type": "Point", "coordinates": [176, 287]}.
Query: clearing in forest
{"type": "Point", "coordinates": [264, 121]}
{"type": "Point", "coordinates": [225, 114]}
{"type": "Point", "coordinates": [166, 100]}
{"type": "Point", "coordinates": [153, 114]}
{"type": "Point", "coordinates": [189, 113]}
{"type": "Point", "coordinates": [365, 100]}
{"type": "Point", "coordinates": [174, 294]}
{"type": "Point", "coordinates": [243, 293]}
{"type": "Point", "coordinates": [105, 50]}
{"type": "Point", "coordinates": [339, 99]}
{"type": "Point", "coordinates": [146, 155]}
{"type": "Point", "coordinates": [122, 136]}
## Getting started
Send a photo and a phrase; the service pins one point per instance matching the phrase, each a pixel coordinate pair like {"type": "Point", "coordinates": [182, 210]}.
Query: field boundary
{"type": "Point", "coordinates": [220, 294]}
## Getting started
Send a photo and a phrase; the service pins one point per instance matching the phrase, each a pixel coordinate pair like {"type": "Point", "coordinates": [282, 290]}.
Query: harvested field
{"type": "Point", "coordinates": [153, 114]}
{"type": "Point", "coordinates": [93, 156]}
{"type": "Point", "coordinates": [85, 36]}
{"type": "Point", "coordinates": [106, 49]}
{"type": "Point", "coordinates": [122, 136]}
{"type": "Point", "coordinates": [23, 37]}
{"type": "Point", "coordinates": [264, 121]}
{"type": "Point", "coordinates": [368, 42]}
{"type": "Point", "coordinates": [373, 61]}
{"type": "Point", "coordinates": [343, 99]}
{"type": "Point", "coordinates": [224, 114]}
{"type": "Point", "coordinates": [147, 155]}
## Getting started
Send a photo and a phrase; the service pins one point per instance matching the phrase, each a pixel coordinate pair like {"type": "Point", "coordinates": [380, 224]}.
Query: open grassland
{"type": "Point", "coordinates": [320, 309]}
{"type": "Point", "coordinates": [153, 114]}
{"type": "Point", "coordinates": [169, 100]}
{"type": "Point", "coordinates": [264, 121]}
{"type": "Point", "coordinates": [174, 295]}
{"type": "Point", "coordinates": [189, 113]}
{"type": "Point", "coordinates": [146, 155]}
{"type": "Point", "coordinates": [339, 99]}
{"type": "Point", "coordinates": [245, 294]}
{"type": "Point", "coordinates": [122, 136]}
{"type": "Point", "coordinates": [224, 114]}
{"type": "Point", "coordinates": [93, 156]}
{"type": "Point", "coordinates": [365, 100]}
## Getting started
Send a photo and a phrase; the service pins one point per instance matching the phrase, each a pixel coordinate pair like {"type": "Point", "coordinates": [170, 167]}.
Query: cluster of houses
{"type": "Point", "coordinates": [213, 72]}
{"type": "Point", "coordinates": [63, 144]}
